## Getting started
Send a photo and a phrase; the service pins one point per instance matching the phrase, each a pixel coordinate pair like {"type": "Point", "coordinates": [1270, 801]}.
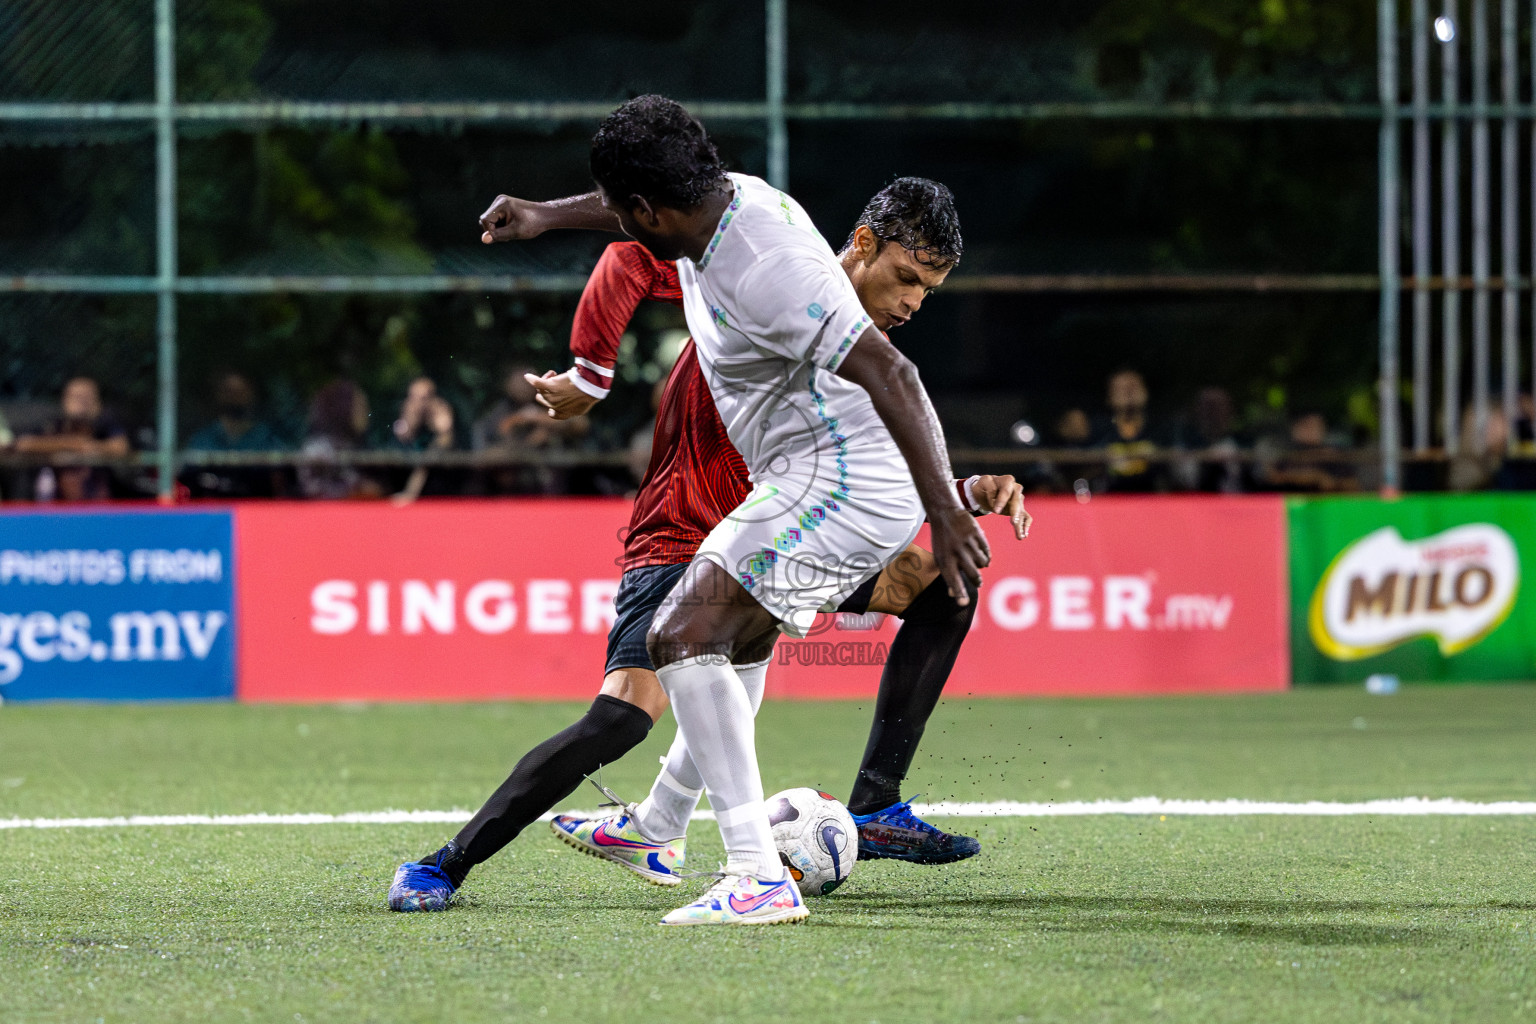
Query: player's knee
{"type": "Point", "coordinates": [755, 651]}
{"type": "Point", "coordinates": [639, 687]}
{"type": "Point", "coordinates": [935, 604]}
{"type": "Point", "coordinates": [662, 644]}
{"type": "Point", "coordinates": [621, 722]}
{"type": "Point", "coordinates": [666, 641]}
{"type": "Point", "coordinates": [675, 635]}
{"type": "Point", "coordinates": [667, 646]}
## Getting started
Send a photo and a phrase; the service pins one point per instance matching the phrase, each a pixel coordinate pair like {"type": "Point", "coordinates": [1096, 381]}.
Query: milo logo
{"type": "Point", "coordinates": [1381, 591]}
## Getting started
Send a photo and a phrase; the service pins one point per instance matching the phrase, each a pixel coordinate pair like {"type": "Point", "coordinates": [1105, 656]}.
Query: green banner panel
{"type": "Point", "coordinates": [1424, 588]}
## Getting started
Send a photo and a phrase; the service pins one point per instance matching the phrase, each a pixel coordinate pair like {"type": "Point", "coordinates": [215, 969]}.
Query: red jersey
{"type": "Point", "coordinates": [695, 477]}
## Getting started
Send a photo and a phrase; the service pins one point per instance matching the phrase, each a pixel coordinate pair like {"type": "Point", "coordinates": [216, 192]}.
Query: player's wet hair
{"type": "Point", "coordinates": [652, 148]}
{"type": "Point", "coordinates": [919, 215]}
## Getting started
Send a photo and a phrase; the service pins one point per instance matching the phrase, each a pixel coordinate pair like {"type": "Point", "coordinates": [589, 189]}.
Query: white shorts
{"type": "Point", "coordinates": [801, 544]}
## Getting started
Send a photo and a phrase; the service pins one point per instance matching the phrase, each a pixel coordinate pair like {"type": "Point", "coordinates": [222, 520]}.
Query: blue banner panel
{"type": "Point", "coordinates": [116, 606]}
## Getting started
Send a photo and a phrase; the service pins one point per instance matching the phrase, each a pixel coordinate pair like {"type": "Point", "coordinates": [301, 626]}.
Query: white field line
{"type": "Point", "coordinates": [1406, 806]}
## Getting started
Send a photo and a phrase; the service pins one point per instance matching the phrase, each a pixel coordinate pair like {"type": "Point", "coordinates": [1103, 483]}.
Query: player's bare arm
{"type": "Point", "coordinates": [903, 406]}
{"type": "Point", "coordinates": [510, 219]}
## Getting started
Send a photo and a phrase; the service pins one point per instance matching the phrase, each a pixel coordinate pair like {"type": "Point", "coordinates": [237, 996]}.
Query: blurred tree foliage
{"type": "Point", "coordinates": [1123, 195]}
{"type": "Point", "coordinates": [1147, 50]}
{"type": "Point", "coordinates": [304, 200]}
{"type": "Point", "coordinates": [1048, 197]}
{"type": "Point", "coordinates": [1235, 50]}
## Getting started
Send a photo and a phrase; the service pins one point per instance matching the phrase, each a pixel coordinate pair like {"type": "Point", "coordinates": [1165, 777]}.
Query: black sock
{"type": "Point", "coordinates": [547, 774]}
{"type": "Point", "coordinates": [933, 628]}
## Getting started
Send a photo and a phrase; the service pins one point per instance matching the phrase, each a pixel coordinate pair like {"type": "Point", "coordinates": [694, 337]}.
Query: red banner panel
{"type": "Point", "coordinates": [435, 601]}
{"type": "Point", "coordinates": [1119, 595]}
{"type": "Point", "coordinates": [473, 600]}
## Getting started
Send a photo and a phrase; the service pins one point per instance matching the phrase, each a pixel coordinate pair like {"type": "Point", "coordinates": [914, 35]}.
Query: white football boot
{"type": "Point", "coordinates": [742, 899]}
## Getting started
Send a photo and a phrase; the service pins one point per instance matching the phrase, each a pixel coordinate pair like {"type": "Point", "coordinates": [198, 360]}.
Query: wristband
{"type": "Point", "coordinates": [967, 496]}
{"type": "Point", "coordinates": [585, 386]}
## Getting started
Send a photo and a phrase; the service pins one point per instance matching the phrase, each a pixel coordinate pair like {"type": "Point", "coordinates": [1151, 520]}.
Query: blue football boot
{"type": "Point", "coordinates": [895, 833]}
{"type": "Point", "coordinates": [424, 885]}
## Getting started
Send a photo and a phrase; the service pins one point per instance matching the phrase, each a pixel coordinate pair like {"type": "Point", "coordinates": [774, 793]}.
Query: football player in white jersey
{"type": "Point", "coordinates": [845, 452]}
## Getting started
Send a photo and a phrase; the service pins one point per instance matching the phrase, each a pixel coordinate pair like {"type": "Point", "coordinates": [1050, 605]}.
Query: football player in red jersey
{"type": "Point", "coordinates": [895, 256]}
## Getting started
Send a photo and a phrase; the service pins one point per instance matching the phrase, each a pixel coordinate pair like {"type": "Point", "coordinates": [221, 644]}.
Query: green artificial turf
{"type": "Point", "coordinates": [1113, 918]}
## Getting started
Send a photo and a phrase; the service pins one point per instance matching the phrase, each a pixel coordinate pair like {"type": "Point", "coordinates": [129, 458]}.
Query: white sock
{"type": "Point", "coordinates": [715, 716]}
{"type": "Point", "coordinates": [664, 814]}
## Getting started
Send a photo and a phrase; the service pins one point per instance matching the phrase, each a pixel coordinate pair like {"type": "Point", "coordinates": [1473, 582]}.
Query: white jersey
{"type": "Point", "coordinates": [773, 315]}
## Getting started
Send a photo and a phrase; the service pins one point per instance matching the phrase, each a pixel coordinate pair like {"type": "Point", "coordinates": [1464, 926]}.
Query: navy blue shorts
{"type": "Point", "coordinates": [641, 592]}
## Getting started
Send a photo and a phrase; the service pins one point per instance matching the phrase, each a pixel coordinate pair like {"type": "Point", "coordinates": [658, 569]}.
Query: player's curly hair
{"type": "Point", "coordinates": [919, 215]}
{"type": "Point", "coordinates": [652, 148]}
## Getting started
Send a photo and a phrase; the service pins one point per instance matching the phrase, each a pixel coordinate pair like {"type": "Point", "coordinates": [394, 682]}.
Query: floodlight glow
{"type": "Point", "coordinates": [1445, 29]}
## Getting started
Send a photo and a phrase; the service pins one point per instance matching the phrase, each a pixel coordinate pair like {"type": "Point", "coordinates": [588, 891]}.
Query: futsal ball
{"type": "Point", "coordinates": [817, 839]}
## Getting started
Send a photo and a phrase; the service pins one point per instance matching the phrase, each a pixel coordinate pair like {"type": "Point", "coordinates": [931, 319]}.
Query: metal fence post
{"type": "Point", "coordinates": [1391, 454]}
{"type": "Point", "coordinates": [1481, 254]}
{"type": "Point", "coordinates": [1421, 269]}
{"type": "Point", "coordinates": [165, 242]}
{"type": "Point", "coordinates": [1450, 233]}
{"type": "Point", "coordinates": [777, 43]}
{"type": "Point", "coordinates": [1509, 231]}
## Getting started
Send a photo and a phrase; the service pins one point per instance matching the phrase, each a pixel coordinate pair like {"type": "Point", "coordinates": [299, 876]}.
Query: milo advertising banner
{"type": "Point", "coordinates": [1425, 588]}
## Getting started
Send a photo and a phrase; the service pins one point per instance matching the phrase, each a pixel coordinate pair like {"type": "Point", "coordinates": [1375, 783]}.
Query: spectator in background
{"type": "Point", "coordinates": [338, 421]}
{"type": "Point", "coordinates": [237, 429]}
{"type": "Point", "coordinates": [1072, 430]}
{"type": "Point", "coordinates": [425, 424]}
{"type": "Point", "coordinates": [518, 425]}
{"type": "Point", "coordinates": [1306, 465]}
{"type": "Point", "coordinates": [7, 441]}
{"type": "Point", "coordinates": [1518, 473]}
{"type": "Point", "coordinates": [83, 427]}
{"type": "Point", "coordinates": [1127, 442]}
{"type": "Point", "coordinates": [1214, 468]}
{"type": "Point", "coordinates": [1469, 470]}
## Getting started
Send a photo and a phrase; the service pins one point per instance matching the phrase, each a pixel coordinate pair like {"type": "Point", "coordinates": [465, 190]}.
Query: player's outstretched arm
{"type": "Point", "coordinates": [510, 219]}
{"type": "Point", "coordinates": [898, 396]}
{"type": "Point", "coordinates": [625, 274]}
